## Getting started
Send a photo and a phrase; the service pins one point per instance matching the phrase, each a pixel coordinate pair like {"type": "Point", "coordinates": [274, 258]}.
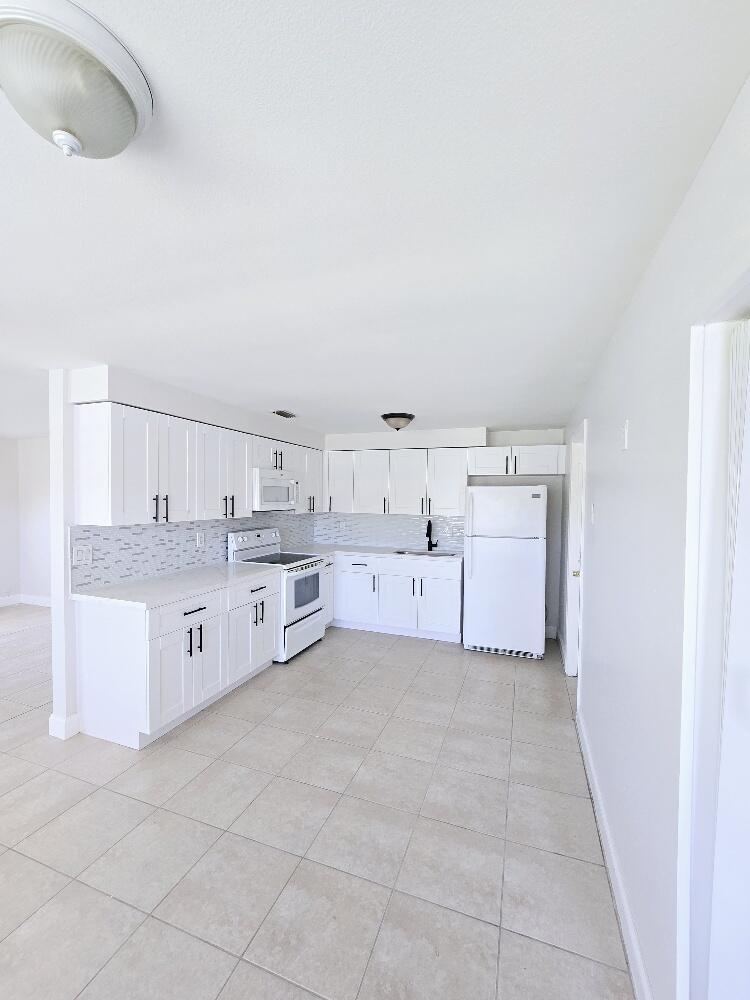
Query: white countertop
{"type": "Point", "coordinates": [154, 591]}
{"type": "Point", "coordinates": [363, 550]}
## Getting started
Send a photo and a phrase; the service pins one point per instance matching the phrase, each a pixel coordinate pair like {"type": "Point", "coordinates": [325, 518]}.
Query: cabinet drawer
{"type": "Point", "coordinates": [424, 567]}
{"type": "Point", "coordinates": [356, 564]}
{"type": "Point", "coordinates": [183, 614]}
{"type": "Point", "coordinates": [257, 589]}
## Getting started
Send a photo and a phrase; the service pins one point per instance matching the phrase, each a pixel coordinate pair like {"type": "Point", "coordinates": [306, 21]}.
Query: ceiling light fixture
{"type": "Point", "coordinates": [71, 79]}
{"type": "Point", "coordinates": [398, 420]}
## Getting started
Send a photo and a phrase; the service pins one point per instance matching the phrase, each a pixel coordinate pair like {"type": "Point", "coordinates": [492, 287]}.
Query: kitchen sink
{"type": "Point", "coordinates": [424, 552]}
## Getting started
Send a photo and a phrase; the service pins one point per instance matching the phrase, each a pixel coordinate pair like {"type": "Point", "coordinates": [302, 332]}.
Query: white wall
{"type": "Point", "coordinates": [8, 518]}
{"type": "Point", "coordinates": [630, 684]}
{"type": "Point", "coordinates": [33, 515]}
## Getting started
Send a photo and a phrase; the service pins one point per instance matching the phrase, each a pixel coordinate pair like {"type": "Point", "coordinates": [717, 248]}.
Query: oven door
{"type": "Point", "coordinates": [273, 490]}
{"type": "Point", "coordinates": [303, 593]}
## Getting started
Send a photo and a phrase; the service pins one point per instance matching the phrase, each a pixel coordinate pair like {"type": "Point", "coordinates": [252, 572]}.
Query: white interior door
{"type": "Point", "coordinates": [408, 481]}
{"type": "Point", "coordinates": [574, 569]}
{"type": "Point", "coordinates": [446, 481]}
{"type": "Point", "coordinates": [340, 482]}
{"type": "Point", "coordinates": [135, 466]}
{"type": "Point", "coordinates": [177, 477]}
{"type": "Point", "coordinates": [370, 482]}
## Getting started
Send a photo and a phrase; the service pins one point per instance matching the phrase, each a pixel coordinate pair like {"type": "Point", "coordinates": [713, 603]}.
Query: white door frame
{"type": "Point", "coordinates": [703, 680]}
{"type": "Point", "coordinates": [574, 555]}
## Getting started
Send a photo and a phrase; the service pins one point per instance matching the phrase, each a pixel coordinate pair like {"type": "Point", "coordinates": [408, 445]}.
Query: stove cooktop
{"type": "Point", "coordinates": [280, 558]}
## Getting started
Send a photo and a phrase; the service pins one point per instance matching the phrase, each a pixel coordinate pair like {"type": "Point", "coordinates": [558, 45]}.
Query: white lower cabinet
{"type": "Point", "coordinates": [328, 605]}
{"type": "Point", "coordinates": [251, 641]}
{"type": "Point", "coordinates": [207, 659]}
{"type": "Point", "coordinates": [409, 595]}
{"type": "Point", "coordinates": [170, 678]}
{"type": "Point", "coordinates": [355, 596]}
{"type": "Point", "coordinates": [397, 606]}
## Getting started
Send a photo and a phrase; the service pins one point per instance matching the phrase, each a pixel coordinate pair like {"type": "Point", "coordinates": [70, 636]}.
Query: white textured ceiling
{"type": "Point", "coordinates": [348, 207]}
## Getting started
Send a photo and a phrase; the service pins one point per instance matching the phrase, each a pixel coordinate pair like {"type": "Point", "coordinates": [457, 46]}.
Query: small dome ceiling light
{"type": "Point", "coordinates": [71, 79]}
{"type": "Point", "coordinates": [398, 420]}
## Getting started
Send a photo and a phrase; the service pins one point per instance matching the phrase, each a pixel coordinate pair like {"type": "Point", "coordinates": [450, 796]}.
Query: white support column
{"type": "Point", "coordinates": [63, 722]}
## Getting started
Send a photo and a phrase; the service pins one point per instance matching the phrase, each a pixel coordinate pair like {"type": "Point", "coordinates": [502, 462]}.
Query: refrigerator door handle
{"type": "Point", "coordinates": [470, 514]}
{"type": "Point", "coordinates": [469, 543]}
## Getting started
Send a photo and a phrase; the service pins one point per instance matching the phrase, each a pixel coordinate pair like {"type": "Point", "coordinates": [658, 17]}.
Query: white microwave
{"type": "Point", "coordinates": [273, 490]}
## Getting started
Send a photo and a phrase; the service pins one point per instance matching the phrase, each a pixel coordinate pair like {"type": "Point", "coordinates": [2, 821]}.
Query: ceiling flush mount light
{"type": "Point", "coordinates": [398, 420]}
{"type": "Point", "coordinates": [70, 79]}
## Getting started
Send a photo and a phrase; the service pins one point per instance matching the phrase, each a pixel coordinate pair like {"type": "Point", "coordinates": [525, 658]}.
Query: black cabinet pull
{"type": "Point", "coordinates": [412, 586]}
{"type": "Point", "coordinates": [225, 501]}
{"type": "Point", "coordinates": [421, 505]}
{"type": "Point", "coordinates": [255, 619]}
{"type": "Point", "coordinates": [313, 499]}
{"type": "Point", "coordinates": [421, 582]}
{"type": "Point", "coordinates": [193, 612]}
{"type": "Point", "coordinates": [262, 611]}
{"type": "Point", "coordinates": [200, 638]}
{"type": "Point", "coordinates": [156, 501]}
{"type": "Point", "coordinates": [166, 506]}
{"type": "Point", "coordinates": [359, 564]}
{"type": "Point", "coordinates": [276, 460]}
{"type": "Point", "coordinates": [515, 465]}
{"type": "Point", "coordinates": [506, 465]}
{"type": "Point", "coordinates": [232, 514]}
{"type": "Point", "coordinates": [373, 583]}
{"type": "Point", "coordinates": [254, 590]}
{"type": "Point", "coordinates": [190, 646]}
{"type": "Point", "coordinates": [281, 460]}
{"type": "Point", "coordinates": [384, 505]}
{"type": "Point", "coordinates": [329, 504]}
{"type": "Point", "coordinates": [429, 506]}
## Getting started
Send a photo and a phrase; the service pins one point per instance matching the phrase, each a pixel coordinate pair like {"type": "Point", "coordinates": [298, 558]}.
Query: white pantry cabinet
{"type": "Point", "coordinates": [518, 460]}
{"type": "Point", "coordinates": [446, 481]}
{"type": "Point", "coordinates": [408, 472]}
{"type": "Point", "coordinates": [340, 482]}
{"type": "Point", "coordinates": [132, 466]}
{"type": "Point", "coordinates": [370, 474]}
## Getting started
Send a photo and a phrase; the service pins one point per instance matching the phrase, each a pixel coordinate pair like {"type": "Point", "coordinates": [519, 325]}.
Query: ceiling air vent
{"type": "Point", "coordinates": [286, 414]}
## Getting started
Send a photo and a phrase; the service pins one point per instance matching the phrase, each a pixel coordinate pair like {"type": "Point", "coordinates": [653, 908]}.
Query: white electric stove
{"type": "Point", "coordinates": [302, 618]}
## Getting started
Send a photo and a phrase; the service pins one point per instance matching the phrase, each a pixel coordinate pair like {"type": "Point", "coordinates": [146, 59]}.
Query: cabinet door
{"type": "Point", "coordinates": [211, 473]}
{"type": "Point", "coordinates": [439, 606]}
{"type": "Point", "coordinates": [170, 678]}
{"type": "Point", "coordinates": [408, 481]}
{"type": "Point", "coordinates": [239, 652]}
{"type": "Point", "coordinates": [135, 465]}
{"type": "Point", "coordinates": [370, 482]}
{"type": "Point", "coordinates": [340, 482]}
{"type": "Point", "coordinates": [265, 626]}
{"type": "Point", "coordinates": [314, 483]}
{"type": "Point", "coordinates": [266, 453]}
{"type": "Point", "coordinates": [537, 459]}
{"type": "Point", "coordinates": [490, 461]}
{"type": "Point", "coordinates": [446, 481]}
{"type": "Point", "coordinates": [207, 665]}
{"type": "Point", "coordinates": [241, 489]}
{"type": "Point", "coordinates": [355, 597]}
{"type": "Point", "coordinates": [177, 477]}
{"type": "Point", "coordinates": [397, 604]}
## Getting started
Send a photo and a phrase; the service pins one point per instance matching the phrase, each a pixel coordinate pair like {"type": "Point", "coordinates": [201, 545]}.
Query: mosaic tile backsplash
{"type": "Point", "coordinates": [149, 550]}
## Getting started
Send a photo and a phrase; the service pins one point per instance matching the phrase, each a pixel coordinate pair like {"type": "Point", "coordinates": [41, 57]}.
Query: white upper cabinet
{"type": "Point", "coordinates": [241, 492]}
{"type": "Point", "coordinates": [215, 472]}
{"type": "Point", "coordinates": [310, 499]}
{"type": "Point", "coordinates": [177, 479]}
{"type": "Point", "coordinates": [490, 461]}
{"type": "Point", "coordinates": [408, 481]}
{"type": "Point", "coordinates": [270, 454]}
{"type": "Point", "coordinates": [538, 460]}
{"type": "Point", "coordinates": [340, 482]}
{"type": "Point", "coordinates": [518, 460]}
{"type": "Point", "coordinates": [136, 496]}
{"type": "Point", "coordinates": [371, 482]}
{"type": "Point", "coordinates": [446, 481]}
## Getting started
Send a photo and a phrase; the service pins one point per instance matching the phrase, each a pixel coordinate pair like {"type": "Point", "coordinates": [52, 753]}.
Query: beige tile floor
{"type": "Point", "coordinates": [384, 817]}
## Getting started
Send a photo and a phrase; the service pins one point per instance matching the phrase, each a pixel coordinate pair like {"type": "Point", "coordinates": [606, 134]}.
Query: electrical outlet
{"type": "Point", "coordinates": [342, 525]}
{"type": "Point", "coordinates": [82, 554]}
{"type": "Point", "coordinates": [200, 540]}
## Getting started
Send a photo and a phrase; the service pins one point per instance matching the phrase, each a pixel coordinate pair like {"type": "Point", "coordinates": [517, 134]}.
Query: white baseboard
{"type": "Point", "coordinates": [11, 599]}
{"type": "Point", "coordinates": [64, 727]}
{"type": "Point", "coordinates": [641, 985]}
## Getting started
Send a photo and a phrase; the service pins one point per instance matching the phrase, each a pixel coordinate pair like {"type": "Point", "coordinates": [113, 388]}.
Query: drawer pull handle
{"type": "Point", "coordinates": [359, 564]}
{"type": "Point", "coordinates": [254, 590]}
{"type": "Point", "coordinates": [193, 612]}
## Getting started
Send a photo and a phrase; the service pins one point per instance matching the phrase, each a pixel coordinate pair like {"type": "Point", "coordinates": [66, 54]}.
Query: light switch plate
{"type": "Point", "coordinates": [82, 554]}
{"type": "Point", "coordinates": [200, 540]}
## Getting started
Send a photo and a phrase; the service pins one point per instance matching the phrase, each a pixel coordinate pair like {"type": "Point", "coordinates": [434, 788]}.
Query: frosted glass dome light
{"type": "Point", "coordinates": [70, 79]}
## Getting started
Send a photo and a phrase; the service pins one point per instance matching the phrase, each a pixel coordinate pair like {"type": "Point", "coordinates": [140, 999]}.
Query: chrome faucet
{"type": "Point", "coordinates": [430, 544]}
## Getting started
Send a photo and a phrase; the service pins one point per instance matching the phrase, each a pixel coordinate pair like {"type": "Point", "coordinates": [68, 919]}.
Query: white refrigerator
{"type": "Point", "coordinates": [505, 557]}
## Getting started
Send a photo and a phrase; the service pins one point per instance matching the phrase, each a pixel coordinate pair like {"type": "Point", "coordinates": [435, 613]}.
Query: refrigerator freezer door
{"type": "Point", "coordinates": [506, 511]}
{"type": "Point", "coordinates": [504, 594]}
